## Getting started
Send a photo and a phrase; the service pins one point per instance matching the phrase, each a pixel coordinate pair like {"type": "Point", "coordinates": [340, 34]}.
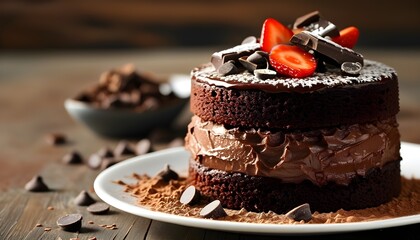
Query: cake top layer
{"type": "Point", "coordinates": [370, 73]}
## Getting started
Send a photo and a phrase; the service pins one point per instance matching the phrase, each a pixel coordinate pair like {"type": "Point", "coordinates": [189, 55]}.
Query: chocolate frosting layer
{"type": "Point", "coordinates": [371, 72]}
{"type": "Point", "coordinates": [320, 156]}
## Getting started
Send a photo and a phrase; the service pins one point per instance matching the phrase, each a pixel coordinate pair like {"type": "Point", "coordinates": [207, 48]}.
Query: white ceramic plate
{"type": "Point", "coordinates": [177, 158]}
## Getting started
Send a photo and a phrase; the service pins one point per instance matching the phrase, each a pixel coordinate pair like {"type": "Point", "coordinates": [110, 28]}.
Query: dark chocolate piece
{"type": "Point", "coordinates": [84, 199]}
{"type": "Point", "coordinates": [190, 196]}
{"type": "Point", "coordinates": [328, 49]}
{"type": "Point", "coordinates": [227, 68]}
{"type": "Point", "coordinates": [323, 28]}
{"type": "Point", "coordinates": [105, 152]}
{"type": "Point", "coordinates": [70, 222]}
{"type": "Point", "coordinates": [98, 208]}
{"type": "Point", "coordinates": [250, 39]}
{"type": "Point", "coordinates": [108, 162]}
{"type": "Point", "coordinates": [351, 68]}
{"type": "Point", "coordinates": [74, 157]}
{"type": "Point", "coordinates": [213, 210]}
{"type": "Point", "coordinates": [94, 161]}
{"type": "Point", "coordinates": [219, 58]}
{"type": "Point", "coordinates": [258, 57]}
{"type": "Point", "coordinates": [143, 146]}
{"type": "Point", "coordinates": [307, 19]}
{"type": "Point", "coordinates": [123, 148]}
{"type": "Point", "coordinates": [168, 174]}
{"type": "Point", "coordinates": [56, 139]}
{"type": "Point", "coordinates": [247, 64]}
{"type": "Point", "coordinates": [36, 184]}
{"type": "Point", "coordinates": [299, 213]}
{"type": "Point", "coordinates": [265, 73]}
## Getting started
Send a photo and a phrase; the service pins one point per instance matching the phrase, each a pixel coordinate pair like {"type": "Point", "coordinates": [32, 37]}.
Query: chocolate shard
{"type": "Point", "coordinates": [306, 19]}
{"type": "Point", "coordinates": [227, 68]}
{"type": "Point", "coordinates": [168, 174]}
{"type": "Point", "coordinates": [123, 148]}
{"type": "Point", "coordinates": [328, 49]}
{"type": "Point", "coordinates": [219, 58]}
{"type": "Point", "coordinates": [249, 39]}
{"type": "Point", "coordinates": [74, 157]}
{"type": "Point", "coordinates": [70, 222]}
{"type": "Point", "coordinates": [213, 210]}
{"type": "Point", "coordinates": [36, 184]}
{"type": "Point", "coordinates": [323, 28]}
{"type": "Point", "coordinates": [265, 73]}
{"type": "Point", "coordinates": [299, 213]}
{"type": "Point", "coordinates": [98, 208]}
{"type": "Point", "coordinates": [84, 199]}
{"type": "Point", "coordinates": [190, 196]}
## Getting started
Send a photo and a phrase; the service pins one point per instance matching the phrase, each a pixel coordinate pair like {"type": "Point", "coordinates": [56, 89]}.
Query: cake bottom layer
{"type": "Point", "coordinates": [263, 194]}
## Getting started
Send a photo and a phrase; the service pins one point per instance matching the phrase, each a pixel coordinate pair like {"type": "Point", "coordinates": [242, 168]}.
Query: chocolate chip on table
{"type": "Point", "coordinates": [108, 162]}
{"type": "Point", "coordinates": [70, 222]}
{"type": "Point", "coordinates": [74, 157]}
{"type": "Point", "coordinates": [143, 146]}
{"type": "Point", "coordinates": [36, 184]}
{"type": "Point", "coordinates": [105, 152]}
{"type": "Point", "coordinates": [123, 148]}
{"type": "Point", "coordinates": [265, 73]}
{"type": "Point", "coordinates": [213, 210]}
{"type": "Point", "coordinates": [168, 174]}
{"type": "Point", "coordinates": [95, 161]}
{"type": "Point", "coordinates": [190, 196]}
{"type": "Point", "coordinates": [299, 213]}
{"type": "Point", "coordinates": [98, 208]}
{"type": "Point", "coordinates": [351, 68]}
{"type": "Point", "coordinates": [84, 199]}
{"type": "Point", "coordinates": [56, 139]}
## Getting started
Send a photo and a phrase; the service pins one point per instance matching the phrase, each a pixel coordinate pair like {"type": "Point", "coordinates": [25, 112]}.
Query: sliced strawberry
{"type": "Point", "coordinates": [292, 61]}
{"type": "Point", "coordinates": [274, 33]}
{"type": "Point", "coordinates": [348, 37]}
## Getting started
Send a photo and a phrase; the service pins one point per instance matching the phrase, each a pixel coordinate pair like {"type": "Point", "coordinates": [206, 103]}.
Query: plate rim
{"type": "Point", "coordinates": [240, 227]}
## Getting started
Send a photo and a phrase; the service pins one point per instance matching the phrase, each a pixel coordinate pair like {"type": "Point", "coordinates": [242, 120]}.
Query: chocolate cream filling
{"type": "Point", "coordinates": [324, 155]}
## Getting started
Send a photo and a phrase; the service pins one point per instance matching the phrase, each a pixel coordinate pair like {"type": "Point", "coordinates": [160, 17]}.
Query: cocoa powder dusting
{"type": "Point", "coordinates": [158, 195]}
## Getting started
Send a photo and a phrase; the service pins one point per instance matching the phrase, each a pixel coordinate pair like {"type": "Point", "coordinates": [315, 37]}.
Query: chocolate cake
{"type": "Point", "coordinates": [295, 116]}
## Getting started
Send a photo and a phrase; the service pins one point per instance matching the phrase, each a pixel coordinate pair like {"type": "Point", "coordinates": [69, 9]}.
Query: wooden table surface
{"type": "Point", "coordinates": [33, 87]}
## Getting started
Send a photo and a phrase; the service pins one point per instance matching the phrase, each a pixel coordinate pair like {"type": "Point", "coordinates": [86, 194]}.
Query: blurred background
{"type": "Point", "coordinates": [128, 24]}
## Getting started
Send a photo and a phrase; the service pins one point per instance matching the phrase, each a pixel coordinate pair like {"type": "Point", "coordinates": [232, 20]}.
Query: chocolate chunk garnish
{"type": "Point", "coordinates": [306, 19]}
{"type": "Point", "coordinates": [328, 49]}
{"type": "Point", "coordinates": [299, 213]}
{"type": "Point", "coordinates": [250, 66]}
{"type": "Point", "coordinates": [84, 199]}
{"type": "Point", "coordinates": [250, 39]}
{"type": "Point", "coordinates": [105, 152]}
{"type": "Point", "coordinates": [143, 146]}
{"type": "Point", "coordinates": [190, 196]}
{"type": "Point", "coordinates": [94, 161]}
{"type": "Point", "coordinates": [219, 58]}
{"type": "Point", "coordinates": [213, 210]}
{"type": "Point", "coordinates": [227, 68]}
{"type": "Point", "coordinates": [36, 184]}
{"type": "Point", "coordinates": [98, 208]}
{"type": "Point", "coordinates": [323, 28]}
{"type": "Point", "coordinates": [265, 73]}
{"type": "Point", "coordinates": [56, 139]}
{"type": "Point", "coordinates": [351, 68]}
{"type": "Point", "coordinates": [74, 157]}
{"type": "Point", "coordinates": [123, 148]}
{"type": "Point", "coordinates": [70, 222]}
{"type": "Point", "coordinates": [168, 174]}
{"type": "Point", "coordinates": [258, 57]}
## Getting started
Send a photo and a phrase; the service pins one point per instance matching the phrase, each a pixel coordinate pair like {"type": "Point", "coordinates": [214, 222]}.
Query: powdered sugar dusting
{"type": "Point", "coordinates": [371, 72]}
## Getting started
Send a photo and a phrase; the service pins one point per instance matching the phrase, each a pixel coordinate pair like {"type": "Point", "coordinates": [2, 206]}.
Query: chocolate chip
{"type": "Point", "coordinates": [351, 68]}
{"type": "Point", "coordinates": [123, 148]}
{"type": "Point", "coordinates": [84, 199]}
{"type": "Point", "coordinates": [258, 57]}
{"type": "Point", "coordinates": [74, 157]}
{"type": "Point", "coordinates": [105, 152]}
{"type": "Point", "coordinates": [219, 58]}
{"type": "Point", "coordinates": [168, 174]}
{"type": "Point", "coordinates": [108, 162]}
{"type": "Point", "coordinates": [227, 68]}
{"type": "Point", "coordinates": [143, 146]}
{"type": "Point", "coordinates": [265, 73]}
{"type": "Point", "coordinates": [36, 184]}
{"type": "Point", "coordinates": [250, 66]}
{"type": "Point", "coordinates": [213, 210]}
{"type": "Point", "coordinates": [70, 222]}
{"type": "Point", "coordinates": [98, 208]}
{"type": "Point", "coordinates": [94, 161]}
{"type": "Point", "coordinates": [249, 39]}
{"type": "Point", "coordinates": [299, 213]}
{"type": "Point", "coordinates": [56, 139]}
{"type": "Point", "coordinates": [190, 196]}
{"type": "Point", "coordinates": [307, 19]}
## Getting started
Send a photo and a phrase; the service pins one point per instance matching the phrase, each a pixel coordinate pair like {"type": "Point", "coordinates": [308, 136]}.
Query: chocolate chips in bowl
{"type": "Point", "coordinates": [126, 103]}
